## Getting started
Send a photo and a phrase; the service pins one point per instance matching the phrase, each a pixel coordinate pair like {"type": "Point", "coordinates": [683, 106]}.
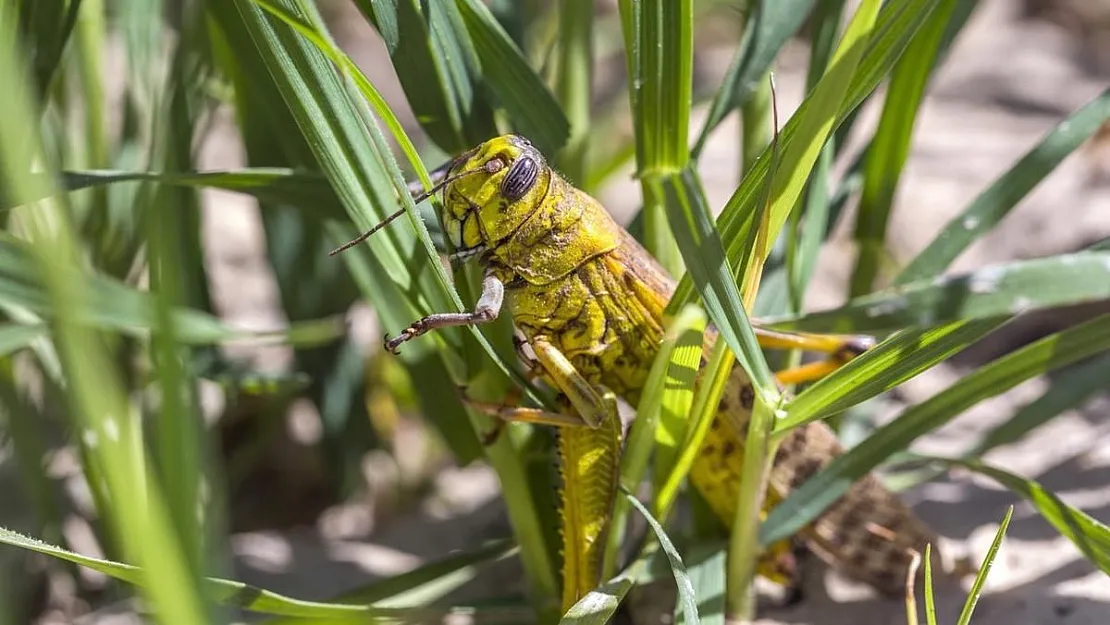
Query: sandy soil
{"type": "Point", "coordinates": [980, 116]}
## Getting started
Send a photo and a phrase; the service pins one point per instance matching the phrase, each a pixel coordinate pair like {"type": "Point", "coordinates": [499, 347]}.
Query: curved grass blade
{"type": "Point", "coordinates": [706, 567]}
{"type": "Point", "coordinates": [769, 25]}
{"type": "Point", "coordinates": [996, 201]}
{"type": "Point", "coordinates": [1090, 535]}
{"type": "Point", "coordinates": [895, 360]}
{"type": "Point", "coordinates": [993, 291]}
{"type": "Point", "coordinates": [1068, 390]}
{"type": "Point", "coordinates": [17, 336]}
{"type": "Point", "coordinates": [225, 591]}
{"type": "Point", "coordinates": [660, 416]}
{"type": "Point", "coordinates": [112, 304]}
{"type": "Point", "coordinates": [308, 191]}
{"type": "Point", "coordinates": [383, 14]}
{"type": "Point", "coordinates": [422, 585]}
{"type": "Point", "coordinates": [890, 145]}
{"type": "Point", "coordinates": [1050, 353]}
{"type": "Point", "coordinates": [686, 598]}
{"type": "Point", "coordinates": [599, 606]}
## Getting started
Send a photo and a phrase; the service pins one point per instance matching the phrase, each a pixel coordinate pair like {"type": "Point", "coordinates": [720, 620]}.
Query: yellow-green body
{"type": "Point", "coordinates": [592, 299]}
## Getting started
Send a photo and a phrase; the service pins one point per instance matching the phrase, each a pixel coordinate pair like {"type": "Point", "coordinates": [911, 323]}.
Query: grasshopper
{"type": "Point", "coordinates": [588, 300]}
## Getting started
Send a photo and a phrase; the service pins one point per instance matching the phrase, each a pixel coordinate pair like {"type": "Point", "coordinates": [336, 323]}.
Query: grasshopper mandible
{"type": "Point", "coordinates": [589, 300]}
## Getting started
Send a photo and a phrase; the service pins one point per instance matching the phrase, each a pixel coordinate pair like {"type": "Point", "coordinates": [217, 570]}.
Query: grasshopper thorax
{"type": "Point", "coordinates": [498, 186]}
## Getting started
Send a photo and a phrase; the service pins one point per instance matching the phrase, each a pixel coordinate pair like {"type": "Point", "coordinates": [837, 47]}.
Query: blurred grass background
{"type": "Point", "coordinates": [191, 384]}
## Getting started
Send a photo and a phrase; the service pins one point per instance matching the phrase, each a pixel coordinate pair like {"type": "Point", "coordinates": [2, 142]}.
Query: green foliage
{"type": "Point", "coordinates": [109, 325]}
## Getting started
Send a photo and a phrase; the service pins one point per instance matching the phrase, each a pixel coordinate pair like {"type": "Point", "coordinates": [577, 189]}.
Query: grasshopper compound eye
{"type": "Point", "coordinates": [520, 179]}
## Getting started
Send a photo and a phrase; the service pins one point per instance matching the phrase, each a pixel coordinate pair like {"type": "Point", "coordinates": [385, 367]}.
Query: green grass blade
{"type": "Point", "coordinates": [895, 360]}
{"type": "Point", "coordinates": [706, 567]}
{"type": "Point", "coordinates": [527, 101]}
{"type": "Point", "coordinates": [103, 417]}
{"type": "Point", "coordinates": [177, 276]}
{"type": "Point", "coordinates": [1050, 353]}
{"type": "Point", "coordinates": [1068, 389]}
{"type": "Point", "coordinates": [770, 24]}
{"type": "Point", "coordinates": [930, 600]}
{"type": "Point", "coordinates": [223, 591]}
{"type": "Point", "coordinates": [658, 36]}
{"type": "Point", "coordinates": [573, 85]}
{"type": "Point", "coordinates": [704, 255]}
{"type": "Point", "coordinates": [704, 410]}
{"type": "Point", "coordinates": [438, 67]}
{"type": "Point", "coordinates": [894, 27]}
{"type": "Point", "coordinates": [981, 578]}
{"type": "Point", "coordinates": [307, 191]}
{"type": "Point", "coordinates": [817, 120]}
{"type": "Point", "coordinates": [890, 145]}
{"type": "Point", "coordinates": [423, 585]}
{"type": "Point", "coordinates": [660, 416]}
{"type": "Point", "coordinates": [672, 393]}
{"type": "Point", "coordinates": [996, 201]}
{"type": "Point", "coordinates": [686, 598]}
{"type": "Point", "coordinates": [17, 336]}
{"type": "Point", "coordinates": [600, 605]}
{"type": "Point", "coordinates": [994, 291]}
{"type": "Point", "coordinates": [45, 31]}
{"type": "Point", "coordinates": [383, 14]}
{"type": "Point", "coordinates": [1089, 535]}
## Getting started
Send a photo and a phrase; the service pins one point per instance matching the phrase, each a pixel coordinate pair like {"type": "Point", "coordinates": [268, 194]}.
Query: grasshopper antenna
{"type": "Point", "coordinates": [490, 166]}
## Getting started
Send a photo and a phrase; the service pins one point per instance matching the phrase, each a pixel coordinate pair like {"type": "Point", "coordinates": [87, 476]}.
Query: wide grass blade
{"type": "Point", "coordinates": [1050, 353]}
{"type": "Point", "coordinates": [658, 39]}
{"type": "Point", "coordinates": [1068, 389]}
{"type": "Point", "coordinates": [423, 585]}
{"type": "Point", "coordinates": [706, 567]}
{"type": "Point", "coordinates": [997, 200]}
{"type": "Point", "coordinates": [993, 291]}
{"type": "Point", "coordinates": [574, 84]}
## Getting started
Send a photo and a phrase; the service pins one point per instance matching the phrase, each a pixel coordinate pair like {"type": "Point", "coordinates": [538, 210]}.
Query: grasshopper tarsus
{"type": "Point", "coordinates": [393, 345]}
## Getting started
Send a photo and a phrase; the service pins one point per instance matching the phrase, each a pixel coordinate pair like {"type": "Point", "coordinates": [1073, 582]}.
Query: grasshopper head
{"type": "Point", "coordinates": [497, 186]}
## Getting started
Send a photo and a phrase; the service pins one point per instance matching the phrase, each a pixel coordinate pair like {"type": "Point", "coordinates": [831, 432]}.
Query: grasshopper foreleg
{"type": "Point", "coordinates": [486, 310]}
